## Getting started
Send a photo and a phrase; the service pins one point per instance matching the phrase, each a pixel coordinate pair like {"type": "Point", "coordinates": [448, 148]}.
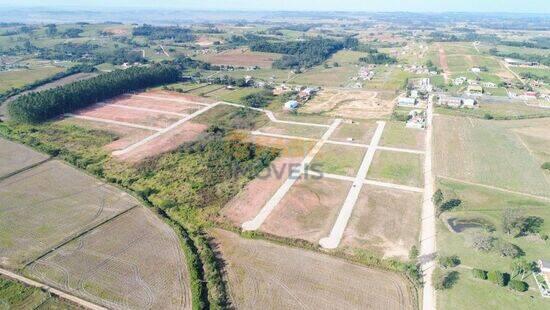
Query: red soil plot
{"type": "Point", "coordinates": [308, 211]}
{"type": "Point", "coordinates": [246, 205]}
{"type": "Point", "coordinates": [143, 118]}
{"type": "Point", "coordinates": [156, 104]}
{"type": "Point", "coordinates": [166, 142]}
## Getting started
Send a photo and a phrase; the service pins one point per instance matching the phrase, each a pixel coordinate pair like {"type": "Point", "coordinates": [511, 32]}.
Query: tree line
{"type": "Point", "coordinates": [177, 34]}
{"type": "Point", "coordinates": [40, 106]}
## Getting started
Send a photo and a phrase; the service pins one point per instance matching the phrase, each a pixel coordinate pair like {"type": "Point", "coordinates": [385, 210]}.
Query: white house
{"type": "Point", "coordinates": [291, 105]}
{"type": "Point", "coordinates": [469, 103]}
{"type": "Point", "coordinates": [476, 70]}
{"type": "Point", "coordinates": [406, 102]}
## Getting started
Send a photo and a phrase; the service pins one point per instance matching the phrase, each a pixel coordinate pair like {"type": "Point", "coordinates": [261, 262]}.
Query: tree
{"type": "Point", "coordinates": [449, 204]}
{"type": "Point", "coordinates": [479, 274]}
{"type": "Point", "coordinates": [437, 197]}
{"type": "Point", "coordinates": [515, 223]}
{"type": "Point", "coordinates": [519, 286]}
{"type": "Point", "coordinates": [51, 30]}
{"type": "Point", "coordinates": [444, 279]}
{"type": "Point", "coordinates": [509, 220]}
{"type": "Point", "coordinates": [522, 267]}
{"type": "Point", "coordinates": [413, 253]}
{"type": "Point", "coordinates": [448, 261]}
{"type": "Point", "coordinates": [507, 249]}
{"type": "Point", "coordinates": [497, 277]}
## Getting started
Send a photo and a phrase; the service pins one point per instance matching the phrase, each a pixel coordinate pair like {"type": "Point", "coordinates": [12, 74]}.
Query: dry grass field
{"type": "Point", "coordinates": [46, 205]}
{"type": "Point", "coordinates": [348, 103]}
{"type": "Point", "coordinates": [14, 157]}
{"type": "Point", "coordinates": [131, 262]}
{"type": "Point", "coordinates": [293, 130]}
{"type": "Point", "coordinates": [308, 210]}
{"type": "Point", "coordinates": [241, 58]}
{"type": "Point", "coordinates": [491, 153]}
{"type": "Point", "coordinates": [262, 275]}
{"type": "Point", "coordinates": [384, 221]}
{"type": "Point", "coordinates": [359, 132]}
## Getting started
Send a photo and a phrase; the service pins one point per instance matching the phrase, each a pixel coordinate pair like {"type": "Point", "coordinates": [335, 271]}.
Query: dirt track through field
{"type": "Point", "coordinates": [263, 275]}
{"type": "Point", "coordinates": [444, 65]}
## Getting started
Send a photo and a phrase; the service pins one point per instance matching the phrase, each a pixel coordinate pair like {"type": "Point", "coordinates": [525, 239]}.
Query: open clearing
{"type": "Point", "coordinates": [241, 58]}
{"type": "Point", "coordinates": [397, 167]}
{"type": "Point", "coordinates": [338, 159]}
{"type": "Point", "coordinates": [133, 261]}
{"type": "Point", "coordinates": [397, 135]}
{"type": "Point", "coordinates": [146, 124]}
{"type": "Point", "coordinates": [43, 206]}
{"type": "Point", "coordinates": [262, 275]}
{"type": "Point", "coordinates": [384, 221]}
{"type": "Point", "coordinates": [14, 157]}
{"type": "Point", "coordinates": [18, 78]}
{"type": "Point", "coordinates": [358, 132]}
{"type": "Point", "coordinates": [308, 210]}
{"type": "Point", "coordinates": [489, 153]}
{"type": "Point", "coordinates": [348, 103]}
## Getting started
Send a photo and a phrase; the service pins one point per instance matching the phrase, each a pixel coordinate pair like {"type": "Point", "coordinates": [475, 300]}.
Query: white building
{"type": "Point", "coordinates": [469, 103]}
{"type": "Point", "coordinates": [417, 119]}
{"type": "Point", "coordinates": [291, 105]}
{"type": "Point", "coordinates": [406, 102]}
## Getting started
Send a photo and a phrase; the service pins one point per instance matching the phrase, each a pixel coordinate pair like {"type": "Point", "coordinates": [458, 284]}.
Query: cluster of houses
{"type": "Point", "coordinates": [416, 119]}
{"type": "Point", "coordinates": [416, 69]}
{"type": "Point", "coordinates": [365, 73]}
{"type": "Point", "coordinates": [457, 102]}
{"type": "Point", "coordinates": [303, 94]}
{"type": "Point", "coordinates": [421, 88]}
{"type": "Point", "coordinates": [461, 80]}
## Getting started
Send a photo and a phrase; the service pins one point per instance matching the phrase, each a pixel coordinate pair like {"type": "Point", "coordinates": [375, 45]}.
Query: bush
{"type": "Point", "coordinates": [449, 204]}
{"type": "Point", "coordinates": [437, 197]}
{"type": "Point", "coordinates": [479, 274]}
{"type": "Point", "coordinates": [518, 285]}
{"type": "Point", "coordinates": [413, 254]}
{"type": "Point", "coordinates": [546, 165]}
{"type": "Point", "coordinates": [482, 242]}
{"type": "Point", "coordinates": [444, 279]}
{"type": "Point", "coordinates": [507, 249]}
{"type": "Point", "coordinates": [448, 261]}
{"type": "Point", "coordinates": [497, 277]}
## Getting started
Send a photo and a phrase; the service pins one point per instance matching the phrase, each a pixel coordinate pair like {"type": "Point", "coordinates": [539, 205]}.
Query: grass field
{"type": "Point", "coordinates": [488, 205]}
{"type": "Point", "coordinates": [360, 132]}
{"type": "Point", "coordinates": [14, 295]}
{"type": "Point", "coordinates": [44, 206]}
{"type": "Point", "coordinates": [234, 96]}
{"type": "Point", "coordinates": [330, 77]}
{"type": "Point", "coordinates": [142, 267]}
{"type": "Point", "coordinates": [384, 221]}
{"type": "Point", "coordinates": [397, 135]}
{"type": "Point", "coordinates": [397, 167]}
{"type": "Point", "coordinates": [9, 79]}
{"type": "Point", "coordinates": [293, 130]}
{"type": "Point", "coordinates": [263, 275]}
{"type": "Point", "coordinates": [498, 111]}
{"type": "Point", "coordinates": [241, 58]}
{"type": "Point", "coordinates": [339, 159]}
{"type": "Point", "coordinates": [488, 153]}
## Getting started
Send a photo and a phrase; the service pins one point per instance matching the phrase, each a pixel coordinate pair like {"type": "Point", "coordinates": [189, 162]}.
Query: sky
{"type": "Point", "coordinates": [525, 6]}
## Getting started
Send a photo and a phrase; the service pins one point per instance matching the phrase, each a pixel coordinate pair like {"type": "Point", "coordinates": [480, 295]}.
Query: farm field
{"type": "Point", "coordinates": [397, 167]}
{"type": "Point", "coordinates": [269, 276]}
{"type": "Point", "coordinates": [350, 104]}
{"type": "Point", "coordinates": [142, 267]}
{"type": "Point", "coordinates": [327, 77]}
{"type": "Point", "coordinates": [481, 212]}
{"type": "Point", "coordinates": [14, 157]}
{"type": "Point", "coordinates": [384, 221]}
{"type": "Point", "coordinates": [308, 210]}
{"type": "Point", "coordinates": [293, 130]}
{"type": "Point", "coordinates": [241, 58]}
{"type": "Point", "coordinates": [486, 152]}
{"type": "Point", "coordinates": [46, 205]}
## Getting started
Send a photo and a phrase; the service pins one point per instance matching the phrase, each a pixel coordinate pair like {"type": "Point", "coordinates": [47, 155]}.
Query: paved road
{"type": "Point", "coordinates": [428, 229]}
{"type": "Point", "coordinates": [69, 297]}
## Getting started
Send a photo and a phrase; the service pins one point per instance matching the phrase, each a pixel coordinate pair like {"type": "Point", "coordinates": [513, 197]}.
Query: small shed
{"type": "Point", "coordinates": [291, 105]}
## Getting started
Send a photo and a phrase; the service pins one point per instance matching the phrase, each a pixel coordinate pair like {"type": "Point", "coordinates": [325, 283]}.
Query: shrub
{"type": "Point", "coordinates": [413, 254]}
{"type": "Point", "coordinates": [482, 242]}
{"type": "Point", "coordinates": [507, 249]}
{"type": "Point", "coordinates": [444, 279]}
{"type": "Point", "coordinates": [449, 204]}
{"type": "Point", "coordinates": [518, 285]}
{"type": "Point", "coordinates": [497, 277]}
{"type": "Point", "coordinates": [437, 197]}
{"type": "Point", "coordinates": [448, 261]}
{"type": "Point", "coordinates": [546, 165]}
{"type": "Point", "coordinates": [479, 274]}
{"type": "Point", "coordinates": [488, 116]}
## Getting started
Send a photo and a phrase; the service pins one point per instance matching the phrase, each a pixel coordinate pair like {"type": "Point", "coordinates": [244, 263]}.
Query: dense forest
{"type": "Point", "coordinates": [91, 53]}
{"type": "Point", "coordinates": [40, 106]}
{"type": "Point", "coordinates": [376, 57]}
{"type": "Point", "coordinates": [299, 54]}
{"type": "Point", "coordinates": [170, 32]}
